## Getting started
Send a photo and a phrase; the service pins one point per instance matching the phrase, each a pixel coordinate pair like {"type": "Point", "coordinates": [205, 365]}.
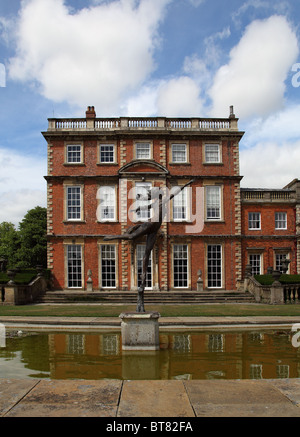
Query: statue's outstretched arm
{"type": "Point", "coordinates": [179, 189]}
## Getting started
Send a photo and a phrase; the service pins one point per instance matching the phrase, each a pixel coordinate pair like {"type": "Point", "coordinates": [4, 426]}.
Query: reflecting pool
{"type": "Point", "coordinates": [182, 355]}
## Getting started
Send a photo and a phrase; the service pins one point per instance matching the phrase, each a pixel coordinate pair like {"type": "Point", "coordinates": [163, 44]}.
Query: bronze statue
{"type": "Point", "coordinates": [149, 228]}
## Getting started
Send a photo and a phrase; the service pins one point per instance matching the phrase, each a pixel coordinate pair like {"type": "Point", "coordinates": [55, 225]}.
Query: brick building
{"type": "Point", "coordinates": [96, 166]}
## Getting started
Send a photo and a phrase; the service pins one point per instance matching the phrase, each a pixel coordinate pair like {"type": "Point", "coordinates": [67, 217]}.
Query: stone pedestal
{"type": "Point", "coordinates": [140, 331]}
{"type": "Point", "coordinates": [277, 294]}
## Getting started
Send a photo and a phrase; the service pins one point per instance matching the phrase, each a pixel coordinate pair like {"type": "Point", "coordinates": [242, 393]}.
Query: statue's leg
{"type": "Point", "coordinates": [136, 231]}
{"type": "Point", "coordinates": [117, 237]}
{"type": "Point", "coordinates": [149, 246]}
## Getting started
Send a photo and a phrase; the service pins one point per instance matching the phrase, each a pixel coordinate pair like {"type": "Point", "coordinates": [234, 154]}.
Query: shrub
{"type": "Point", "coordinates": [284, 279]}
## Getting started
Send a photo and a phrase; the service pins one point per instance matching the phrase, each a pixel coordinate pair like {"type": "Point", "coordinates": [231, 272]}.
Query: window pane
{"type": "Point", "coordinates": [254, 220]}
{"type": "Point", "coordinates": [214, 266]}
{"type": "Point", "coordinates": [74, 153]}
{"type": "Point", "coordinates": [212, 153]}
{"type": "Point", "coordinates": [180, 206]}
{"type": "Point", "coordinates": [108, 265]}
{"type": "Point", "coordinates": [254, 260]}
{"type": "Point", "coordinates": [107, 153]}
{"type": "Point", "coordinates": [73, 203]}
{"type": "Point", "coordinates": [180, 265]}
{"type": "Point", "coordinates": [74, 266]}
{"type": "Point", "coordinates": [213, 203]}
{"type": "Point", "coordinates": [179, 153]}
{"type": "Point", "coordinates": [143, 151]}
{"type": "Point", "coordinates": [280, 220]}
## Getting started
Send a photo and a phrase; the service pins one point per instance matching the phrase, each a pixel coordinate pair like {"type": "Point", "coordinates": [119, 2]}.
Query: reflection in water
{"type": "Point", "coordinates": [182, 355]}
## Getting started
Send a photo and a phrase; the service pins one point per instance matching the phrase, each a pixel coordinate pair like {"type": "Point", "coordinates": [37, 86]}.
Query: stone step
{"type": "Point", "coordinates": [149, 297]}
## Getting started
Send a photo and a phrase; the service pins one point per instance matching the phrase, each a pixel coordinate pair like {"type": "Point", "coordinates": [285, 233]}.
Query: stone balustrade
{"type": "Point", "coordinates": [145, 123]}
{"type": "Point", "coordinates": [261, 195]}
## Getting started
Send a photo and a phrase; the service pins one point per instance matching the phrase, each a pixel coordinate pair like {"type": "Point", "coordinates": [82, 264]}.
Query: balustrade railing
{"type": "Point", "coordinates": [71, 124]}
{"type": "Point", "coordinates": [291, 293]}
{"type": "Point", "coordinates": [248, 195]}
{"type": "Point", "coordinates": [275, 195]}
{"type": "Point", "coordinates": [107, 124]}
{"type": "Point", "coordinates": [156, 123]}
{"type": "Point", "coordinates": [179, 124]}
{"type": "Point", "coordinates": [142, 123]}
{"type": "Point", "coordinates": [214, 124]}
{"type": "Point", "coordinates": [285, 195]}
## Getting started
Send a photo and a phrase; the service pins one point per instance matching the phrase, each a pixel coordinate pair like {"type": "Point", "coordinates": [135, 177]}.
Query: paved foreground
{"type": "Point", "coordinates": [155, 398]}
{"type": "Point", "coordinates": [114, 398]}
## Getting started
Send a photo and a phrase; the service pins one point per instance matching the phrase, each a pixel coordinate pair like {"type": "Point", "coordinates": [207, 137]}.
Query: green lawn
{"type": "Point", "coordinates": [165, 310]}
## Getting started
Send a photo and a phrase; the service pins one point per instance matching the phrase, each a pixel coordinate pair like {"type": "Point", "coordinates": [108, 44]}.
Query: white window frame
{"type": "Point", "coordinates": [107, 202]}
{"type": "Point", "coordinates": [101, 151]}
{"type": "Point", "coordinates": [213, 204]}
{"type": "Point", "coordinates": [212, 156]}
{"type": "Point", "coordinates": [105, 256]}
{"type": "Point", "coordinates": [280, 218]}
{"type": "Point", "coordinates": [180, 206]}
{"type": "Point", "coordinates": [68, 153]}
{"type": "Point", "coordinates": [257, 268]}
{"type": "Point", "coordinates": [214, 266]}
{"type": "Point", "coordinates": [254, 218]}
{"type": "Point", "coordinates": [184, 153]}
{"type": "Point", "coordinates": [140, 154]}
{"type": "Point", "coordinates": [181, 268]}
{"type": "Point", "coordinates": [72, 203]}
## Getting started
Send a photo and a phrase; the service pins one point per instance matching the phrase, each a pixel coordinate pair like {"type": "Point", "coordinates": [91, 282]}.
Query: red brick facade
{"type": "Point", "coordinates": [96, 166]}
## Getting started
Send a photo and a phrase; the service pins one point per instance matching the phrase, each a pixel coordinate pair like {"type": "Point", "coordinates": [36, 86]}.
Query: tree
{"type": "Point", "coordinates": [9, 243]}
{"type": "Point", "coordinates": [33, 238]}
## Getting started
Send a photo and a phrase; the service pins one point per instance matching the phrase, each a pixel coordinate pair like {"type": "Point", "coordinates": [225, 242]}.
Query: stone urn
{"type": "Point", "coordinates": [285, 265]}
{"type": "Point", "coordinates": [39, 270]}
{"type": "Point", "coordinates": [248, 270]}
{"type": "Point", "coordinates": [11, 273]}
{"type": "Point", "coordinates": [276, 275]}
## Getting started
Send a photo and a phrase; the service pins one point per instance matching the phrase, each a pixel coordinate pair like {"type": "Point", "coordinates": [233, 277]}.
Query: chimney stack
{"type": "Point", "coordinates": [90, 113]}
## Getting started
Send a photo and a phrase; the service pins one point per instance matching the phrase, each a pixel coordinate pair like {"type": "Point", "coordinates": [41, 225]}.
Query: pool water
{"type": "Point", "coordinates": [182, 355]}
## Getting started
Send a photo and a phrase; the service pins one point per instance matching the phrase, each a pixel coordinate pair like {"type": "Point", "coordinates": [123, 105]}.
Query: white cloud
{"type": "Point", "coordinates": [280, 127]}
{"type": "Point", "coordinates": [142, 104]}
{"type": "Point", "coordinates": [249, 6]}
{"type": "Point", "coordinates": [22, 186]}
{"type": "Point", "coordinates": [254, 79]}
{"type": "Point", "coordinates": [270, 165]}
{"type": "Point", "coordinates": [98, 54]}
{"type": "Point", "coordinates": [179, 97]}
{"type": "Point", "coordinates": [174, 97]}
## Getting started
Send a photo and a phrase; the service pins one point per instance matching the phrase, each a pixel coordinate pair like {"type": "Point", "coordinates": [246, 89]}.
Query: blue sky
{"type": "Point", "coordinates": [176, 58]}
